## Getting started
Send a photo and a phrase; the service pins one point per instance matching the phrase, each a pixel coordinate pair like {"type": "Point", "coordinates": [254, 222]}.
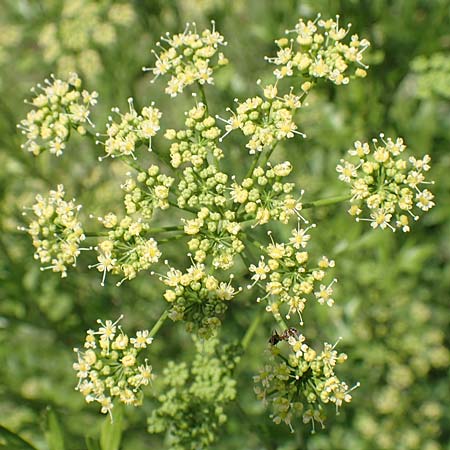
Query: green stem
{"type": "Point", "coordinates": [91, 234]}
{"type": "Point", "coordinates": [252, 329]}
{"type": "Point", "coordinates": [203, 96]}
{"type": "Point", "coordinates": [281, 322]}
{"type": "Point", "coordinates": [268, 155]}
{"type": "Point", "coordinates": [186, 208]}
{"type": "Point", "coordinates": [326, 201]}
{"type": "Point", "coordinates": [132, 163]}
{"type": "Point", "coordinates": [159, 323]}
{"type": "Point", "coordinates": [252, 167]}
{"type": "Point", "coordinates": [171, 238]}
{"type": "Point", "coordinates": [164, 229]}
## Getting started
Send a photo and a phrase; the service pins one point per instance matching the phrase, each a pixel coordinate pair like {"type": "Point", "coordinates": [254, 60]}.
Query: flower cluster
{"type": "Point", "coordinates": [127, 250]}
{"type": "Point", "coordinates": [297, 384]}
{"type": "Point", "coordinates": [202, 186]}
{"type": "Point", "coordinates": [288, 278]}
{"type": "Point", "coordinates": [84, 27]}
{"type": "Point", "coordinates": [265, 120]}
{"type": "Point", "coordinates": [192, 407]}
{"type": "Point", "coordinates": [189, 58]}
{"type": "Point", "coordinates": [199, 140]}
{"type": "Point", "coordinates": [216, 234]}
{"type": "Point", "coordinates": [56, 231]}
{"type": "Point", "coordinates": [198, 298]}
{"type": "Point", "coordinates": [108, 368]}
{"type": "Point", "coordinates": [264, 196]}
{"type": "Point", "coordinates": [389, 185]}
{"type": "Point", "coordinates": [147, 191]}
{"type": "Point", "coordinates": [318, 51]}
{"type": "Point", "coordinates": [59, 106]}
{"type": "Point", "coordinates": [122, 138]}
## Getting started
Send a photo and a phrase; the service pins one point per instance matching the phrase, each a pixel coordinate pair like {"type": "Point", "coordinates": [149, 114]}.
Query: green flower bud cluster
{"type": "Point", "coordinates": [266, 121]}
{"type": "Point", "coordinates": [192, 407]}
{"type": "Point", "coordinates": [83, 28]}
{"type": "Point", "coordinates": [387, 184]}
{"type": "Point", "coordinates": [133, 129]}
{"type": "Point", "coordinates": [127, 250]}
{"type": "Point", "coordinates": [298, 383]}
{"type": "Point", "coordinates": [197, 142]}
{"type": "Point", "coordinates": [318, 52]}
{"type": "Point", "coordinates": [287, 277]}
{"type": "Point", "coordinates": [198, 298]}
{"type": "Point", "coordinates": [59, 106]}
{"type": "Point", "coordinates": [216, 234]}
{"type": "Point", "coordinates": [203, 186]}
{"type": "Point", "coordinates": [56, 231]}
{"type": "Point", "coordinates": [189, 58]}
{"type": "Point", "coordinates": [432, 75]}
{"type": "Point", "coordinates": [266, 197]}
{"type": "Point", "coordinates": [108, 368]}
{"type": "Point", "coordinates": [147, 191]}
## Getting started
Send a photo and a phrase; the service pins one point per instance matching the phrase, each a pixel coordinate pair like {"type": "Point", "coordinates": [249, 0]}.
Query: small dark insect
{"type": "Point", "coordinates": [284, 336]}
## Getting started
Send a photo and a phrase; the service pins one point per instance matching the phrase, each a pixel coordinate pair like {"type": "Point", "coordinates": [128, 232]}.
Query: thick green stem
{"type": "Point", "coordinates": [132, 163]}
{"type": "Point", "coordinates": [203, 96]}
{"type": "Point", "coordinates": [171, 238]}
{"type": "Point", "coordinates": [164, 229]}
{"type": "Point", "coordinates": [281, 322]}
{"type": "Point", "coordinates": [252, 329]}
{"type": "Point", "coordinates": [268, 155]}
{"type": "Point", "coordinates": [159, 323]}
{"type": "Point", "coordinates": [326, 201]}
{"type": "Point", "coordinates": [93, 234]}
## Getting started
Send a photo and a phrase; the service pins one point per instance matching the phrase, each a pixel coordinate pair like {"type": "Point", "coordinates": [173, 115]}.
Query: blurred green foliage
{"type": "Point", "coordinates": [392, 303]}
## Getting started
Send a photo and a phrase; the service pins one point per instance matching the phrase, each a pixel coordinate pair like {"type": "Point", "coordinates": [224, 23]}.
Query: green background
{"type": "Point", "coordinates": [392, 297]}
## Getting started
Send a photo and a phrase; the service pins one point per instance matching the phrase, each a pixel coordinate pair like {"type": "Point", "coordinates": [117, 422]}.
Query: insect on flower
{"type": "Point", "coordinates": [284, 336]}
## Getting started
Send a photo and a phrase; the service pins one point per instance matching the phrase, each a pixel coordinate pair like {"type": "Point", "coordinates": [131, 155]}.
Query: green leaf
{"type": "Point", "coordinates": [12, 441]}
{"type": "Point", "coordinates": [111, 431]}
{"type": "Point", "coordinates": [54, 432]}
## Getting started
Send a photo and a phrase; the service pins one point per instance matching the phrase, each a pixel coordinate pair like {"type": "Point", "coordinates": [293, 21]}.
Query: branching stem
{"type": "Point", "coordinates": [159, 323]}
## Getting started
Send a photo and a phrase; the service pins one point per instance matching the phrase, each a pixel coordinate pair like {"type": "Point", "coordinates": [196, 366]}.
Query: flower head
{"type": "Point", "coordinates": [317, 50]}
{"type": "Point", "coordinates": [55, 230]}
{"type": "Point", "coordinates": [386, 183]}
{"type": "Point", "coordinates": [109, 368]}
{"type": "Point", "coordinates": [59, 107]}
{"type": "Point", "coordinates": [188, 57]}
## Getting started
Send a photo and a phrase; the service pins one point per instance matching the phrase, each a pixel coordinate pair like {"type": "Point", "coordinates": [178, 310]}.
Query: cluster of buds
{"type": "Point", "coordinates": [108, 367]}
{"type": "Point", "coordinates": [56, 231]}
{"type": "Point", "coordinates": [127, 250]}
{"type": "Point", "coordinates": [73, 39]}
{"type": "Point", "coordinates": [189, 58]}
{"type": "Point", "coordinates": [216, 234]}
{"type": "Point", "coordinates": [286, 276]}
{"type": "Point", "coordinates": [59, 106]}
{"type": "Point", "coordinates": [389, 185]}
{"type": "Point", "coordinates": [300, 382]}
{"type": "Point", "coordinates": [199, 140]}
{"type": "Point", "coordinates": [264, 196]}
{"type": "Point", "coordinates": [318, 51]}
{"type": "Point", "coordinates": [122, 138]}
{"type": "Point", "coordinates": [149, 190]}
{"type": "Point", "coordinates": [206, 187]}
{"type": "Point", "coordinates": [192, 408]}
{"type": "Point", "coordinates": [266, 121]}
{"type": "Point", "coordinates": [197, 298]}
